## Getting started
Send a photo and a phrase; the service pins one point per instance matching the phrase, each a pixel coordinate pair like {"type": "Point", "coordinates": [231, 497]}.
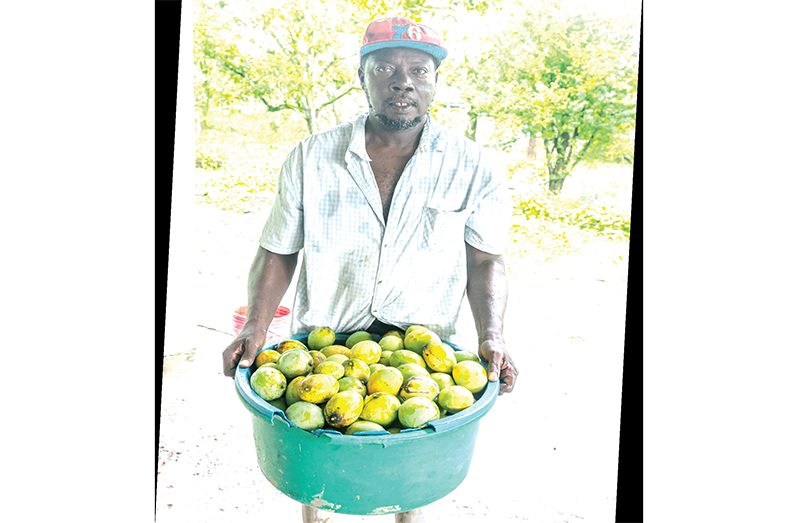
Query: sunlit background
{"type": "Point", "coordinates": [549, 90]}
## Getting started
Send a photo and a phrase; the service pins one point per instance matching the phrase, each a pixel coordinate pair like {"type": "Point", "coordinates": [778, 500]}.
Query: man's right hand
{"type": "Point", "coordinates": [242, 351]}
{"type": "Point", "coordinates": [269, 278]}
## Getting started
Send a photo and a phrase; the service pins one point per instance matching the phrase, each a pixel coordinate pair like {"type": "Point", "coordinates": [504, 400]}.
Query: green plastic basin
{"type": "Point", "coordinates": [368, 473]}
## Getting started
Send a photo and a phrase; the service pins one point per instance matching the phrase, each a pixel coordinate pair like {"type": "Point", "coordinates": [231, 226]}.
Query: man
{"type": "Point", "coordinates": [398, 220]}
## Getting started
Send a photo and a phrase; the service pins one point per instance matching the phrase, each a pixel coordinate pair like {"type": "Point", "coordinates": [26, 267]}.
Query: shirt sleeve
{"type": "Point", "coordinates": [283, 232]}
{"type": "Point", "coordinates": [488, 226]}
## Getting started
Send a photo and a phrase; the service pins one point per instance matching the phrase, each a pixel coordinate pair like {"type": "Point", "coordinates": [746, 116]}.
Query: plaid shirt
{"type": "Point", "coordinates": [356, 267]}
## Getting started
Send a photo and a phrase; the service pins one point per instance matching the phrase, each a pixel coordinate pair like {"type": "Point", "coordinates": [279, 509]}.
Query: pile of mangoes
{"type": "Point", "coordinates": [403, 380]}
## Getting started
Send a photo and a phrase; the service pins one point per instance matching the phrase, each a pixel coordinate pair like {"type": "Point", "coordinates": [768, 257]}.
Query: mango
{"type": "Point", "coordinates": [413, 328]}
{"type": "Point", "coordinates": [374, 367]}
{"type": "Point", "coordinates": [439, 357]}
{"type": "Point", "coordinates": [317, 356]}
{"type": "Point", "coordinates": [455, 398]}
{"type": "Point", "coordinates": [366, 350]}
{"type": "Point", "coordinates": [343, 408]}
{"type": "Point", "coordinates": [398, 334]}
{"type": "Point", "coordinates": [288, 345]}
{"type": "Point", "coordinates": [333, 368]}
{"type": "Point", "coordinates": [340, 358]}
{"type": "Point", "coordinates": [292, 391]}
{"type": "Point", "coordinates": [385, 357]}
{"type": "Point", "coordinates": [464, 355]}
{"type": "Point", "coordinates": [380, 408]}
{"type": "Point", "coordinates": [350, 383]}
{"type": "Point", "coordinates": [304, 415]}
{"type": "Point", "coordinates": [419, 386]}
{"type": "Point", "coordinates": [335, 349]}
{"type": "Point", "coordinates": [318, 388]}
{"type": "Point", "coordinates": [295, 362]}
{"type": "Point", "coordinates": [391, 343]}
{"type": "Point", "coordinates": [266, 356]}
{"type": "Point", "coordinates": [400, 357]}
{"type": "Point", "coordinates": [363, 426]}
{"type": "Point", "coordinates": [417, 412]}
{"type": "Point", "coordinates": [387, 379]}
{"type": "Point", "coordinates": [442, 379]}
{"type": "Point", "coordinates": [409, 370]}
{"type": "Point", "coordinates": [470, 375]}
{"type": "Point", "coordinates": [268, 383]}
{"type": "Point", "coordinates": [321, 337]}
{"type": "Point", "coordinates": [416, 339]}
{"type": "Point", "coordinates": [356, 337]}
{"type": "Point", "coordinates": [356, 368]}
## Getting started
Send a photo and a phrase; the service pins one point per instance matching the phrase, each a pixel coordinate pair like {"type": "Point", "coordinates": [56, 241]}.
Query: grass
{"type": "Point", "coordinates": [239, 156]}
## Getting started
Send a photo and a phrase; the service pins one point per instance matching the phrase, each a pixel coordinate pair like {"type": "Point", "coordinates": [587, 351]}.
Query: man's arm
{"type": "Point", "coordinates": [487, 295]}
{"type": "Point", "coordinates": [269, 278]}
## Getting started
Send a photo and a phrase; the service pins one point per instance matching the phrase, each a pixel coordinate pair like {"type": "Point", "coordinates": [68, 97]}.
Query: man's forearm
{"type": "Point", "coordinates": [269, 278]}
{"type": "Point", "coordinates": [487, 292]}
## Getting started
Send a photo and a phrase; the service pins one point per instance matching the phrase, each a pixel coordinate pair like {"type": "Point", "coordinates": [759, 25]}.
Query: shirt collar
{"type": "Point", "coordinates": [429, 141]}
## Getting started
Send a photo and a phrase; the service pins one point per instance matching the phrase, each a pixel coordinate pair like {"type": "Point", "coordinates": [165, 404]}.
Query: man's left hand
{"type": "Point", "coordinates": [500, 364]}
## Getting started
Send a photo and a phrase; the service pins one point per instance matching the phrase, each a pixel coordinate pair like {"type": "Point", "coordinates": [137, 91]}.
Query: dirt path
{"type": "Point", "coordinates": [545, 453]}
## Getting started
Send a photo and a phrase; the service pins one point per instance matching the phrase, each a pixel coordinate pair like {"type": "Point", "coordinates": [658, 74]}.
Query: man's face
{"type": "Point", "coordinates": [399, 85]}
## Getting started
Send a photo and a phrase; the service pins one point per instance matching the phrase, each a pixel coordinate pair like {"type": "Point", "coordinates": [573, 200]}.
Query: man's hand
{"type": "Point", "coordinates": [500, 364]}
{"type": "Point", "coordinates": [242, 351]}
{"type": "Point", "coordinates": [487, 294]}
{"type": "Point", "coordinates": [269, 278]}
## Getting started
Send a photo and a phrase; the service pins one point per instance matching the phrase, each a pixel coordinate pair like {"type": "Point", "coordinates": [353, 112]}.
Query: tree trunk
{"type": "Point", "coordinates": [335, 114]}
{"type": "Point", "coordinates": [556, 177]}
{"type": "Point", "coordinates": [471, 130]}
{"type": "Point", "coordinates": [555, 185]}
{"type": "Point", "coordinates": [309, 120]}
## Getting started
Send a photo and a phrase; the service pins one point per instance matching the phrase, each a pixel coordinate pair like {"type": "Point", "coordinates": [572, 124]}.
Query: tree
{"type": "Point", "coordinates": [572, 79]}
{"type": "Point", "coordinates": [298, 56]}
{"type": "Point", "coordinates": [213, 86]}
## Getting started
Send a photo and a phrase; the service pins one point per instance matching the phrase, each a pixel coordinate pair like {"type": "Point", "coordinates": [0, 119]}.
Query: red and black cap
{"type": "Point", "coordinates": [402, 32]}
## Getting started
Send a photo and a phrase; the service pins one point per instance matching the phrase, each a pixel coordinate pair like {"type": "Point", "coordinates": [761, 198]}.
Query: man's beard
{"type": "Point", "coordinates": [397, 125]}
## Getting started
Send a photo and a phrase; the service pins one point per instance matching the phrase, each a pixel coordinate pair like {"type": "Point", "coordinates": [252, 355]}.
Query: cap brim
{"type": "Point", "coordinates": [438, 52]}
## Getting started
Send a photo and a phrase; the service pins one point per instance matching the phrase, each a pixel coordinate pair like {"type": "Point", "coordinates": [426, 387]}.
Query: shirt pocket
{"type": "Point", "coordinates": [442, 230]}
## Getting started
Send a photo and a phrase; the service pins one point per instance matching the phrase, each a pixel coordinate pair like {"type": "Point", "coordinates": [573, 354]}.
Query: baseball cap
{"type": "Point", "coordinates": [398, 31]}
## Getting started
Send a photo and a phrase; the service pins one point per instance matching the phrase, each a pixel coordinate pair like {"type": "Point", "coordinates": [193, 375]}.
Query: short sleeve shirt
{"type": "Point", "coordinates": [356, 266]}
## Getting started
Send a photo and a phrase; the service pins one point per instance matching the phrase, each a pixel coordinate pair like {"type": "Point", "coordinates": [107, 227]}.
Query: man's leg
{"type": "Point", "coordinates": [411, 516]}
{"type": "Point", "coordinates": [314, 515]}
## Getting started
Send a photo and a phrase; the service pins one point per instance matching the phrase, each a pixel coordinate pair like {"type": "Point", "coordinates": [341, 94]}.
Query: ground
{"type": "Point", "coordinates": [545, 453]}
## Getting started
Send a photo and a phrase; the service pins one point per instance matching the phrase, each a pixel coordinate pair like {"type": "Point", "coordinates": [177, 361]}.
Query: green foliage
{"type": "Point", "coordinates": [205, 161]}
{"type": "Point", "coordinates": [619, 150]}
{"type": "Point", "coordinates": [289, 56]}
{"type": "Point", "coordinates": [268, 72]}
{"type": "Point", "coordinates": [241, 193]}
{"type": "Point", "coordinates": [213, 86]}
{"type": "Point", "coordinates": [598, 218]}
{"type": "Point", "coordinates": [241, 154]}
{"type": "Point", "coordinates": [570, 79]}
{"type": "Point", "coordinates": [419, 10]}
{"type": "Point", "coordinates": [547, 226]}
